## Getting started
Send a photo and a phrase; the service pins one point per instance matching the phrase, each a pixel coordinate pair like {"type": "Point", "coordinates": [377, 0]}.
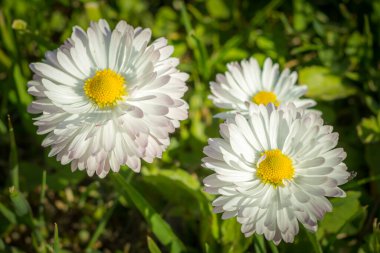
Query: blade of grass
{"type": "Point", "coordinates": [201, 56]}
{"type": "Point", "coordinates": [3, 128]}
{"type": "Point", "coordinates": [5, 60]}
{"type": "Point", "coordinates": [56, 246]}
{"type": "Point", "coordinates": [159, 226]}
{"type": "Point", "coordinates": [152, 246]}
{"type": "Point", "coordinates": [360, 182]}
{"type": "Point", "coordinates": [314, 242]}
{"type": "Point", "coordinates": [7, 35]}
{"type": "Point", "coordinates": [42, 198]}
{"type": "Point", "coordinates": [2, 245]}
{"type": "Point", "coordinates": [23, 211]}
{"type": "Point", "coordinates": [185, 18]}
{"type": "Point", "coordinates": [21, 88]}
{"type": "Point", "coordinates": [8, 214]}
{"type": "Point", "coordinates": [259, 244]}
{"type": "Point", "coordinates": [13, 158]}
{"type": "Point", "coordinates": [200, 51]}
{"type": "Point", "coordinates": [273, 247]}
{"type": "Point", "coordinates": [101, 226]}
{"type": "Point", "coordinates": [260, 17]}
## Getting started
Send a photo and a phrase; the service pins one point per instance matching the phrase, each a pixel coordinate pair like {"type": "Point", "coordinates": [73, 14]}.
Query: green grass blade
{"type": "Point", "coordinates": [4, 59]}
{"type": "Point", "coordinates": [159, 226]}
{"type": "Point", "coordinates": [363, 181]}
{"type": "Point", "coordinates": [273, 247]}
{"type": "Point", "coordinates": [56, 246]}
{"type": "Point", "coordinates": [259, 244]}
{"type": "Point", "coordinates": [152, 246]}
{"type": "Point", "coordinates": [42, 196]}
{"type": "Point", "coordinates": [13, 158]}
{"type": "Point", "coordinates": [7, 35]}
{"type": "Point", "coordinates": [2, 245]}
{"type": "Point", "coordinates": [201, 56]}
{"type": "Point", "coordinates": [314, 242]}
{"type": "Point", "coordinates": [8, 214]}
{"type": "Point", "coordinates": [19, 202]}
{"type": "Point", "coordinates": [185, 18]}
{"type": "Point", "coordinates": [101, 227]}
{"type": "Point", "coordinates": [20, 83]}
{"type": "Point", "coordinates": [200, 51]}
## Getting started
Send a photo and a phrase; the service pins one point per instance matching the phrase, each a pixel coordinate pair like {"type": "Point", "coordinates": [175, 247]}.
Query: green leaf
{"type": "Point", "coordinates": [152, 246]}
{"type": "Point", "coordinates": [324, 85]}
{"type": "Point", "coordinates": [234, 54]}
{"type": "Point", "coordinates": [217, 9]}
{"type": "Point", "coordinates": [56, 246]}
{"type": "Point", "coordinates": [2, 245]}
{"type": "Point", "coordinates": [8, 214]}
{"type": "Point", "coordinates": [19, 202]}
{"type": "Point", "coordinates": [159, 226]}
{"type": "Point", "coordinates": [300, 19]}
{"type": "Point", "coordinates": [232, 237]}
{"type": "Point", "coordinates": [184, 189]}
{"type": "Point", "coordinates": [369, 129]}
{"type": "Point", "coordinates": [166, 23]}
{"type": "Point", "coordinates": [344, 209]}
{"type": "Point", "coordinates": [93, 11]}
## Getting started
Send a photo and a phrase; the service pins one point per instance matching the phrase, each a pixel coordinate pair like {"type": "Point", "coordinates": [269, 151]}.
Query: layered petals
{"type": "Point", "coordinates": [136, 123]}
{"type": "Point", "coordinates": [245, 83]}
{"type": "Point", "coordinates": [297, 145]}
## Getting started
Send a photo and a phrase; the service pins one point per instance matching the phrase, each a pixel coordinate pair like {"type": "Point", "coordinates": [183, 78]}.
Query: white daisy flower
{"type": "Point", "coordinates": [273, 169]}
{"type": "Point", "coordinates": [108, 98]}
{"type": "Point", "coordinates": [245, 84]}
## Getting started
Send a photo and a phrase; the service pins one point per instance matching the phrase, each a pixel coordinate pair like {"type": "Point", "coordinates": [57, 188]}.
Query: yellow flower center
{"type": "Point", "coordinates": [105, 88]}
{"type": "Point", "coordinates": [265, 97]}
{"type": "Point", "coordinates": [273, 167]}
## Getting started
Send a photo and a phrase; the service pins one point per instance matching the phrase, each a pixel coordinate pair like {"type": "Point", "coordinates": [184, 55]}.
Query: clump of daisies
{"type": "Point", "coordinates": [245, 83]}
{"type": "Point", "coordinates": [108, 98]}
{"type": "Point", "coordinates": [276, 162]}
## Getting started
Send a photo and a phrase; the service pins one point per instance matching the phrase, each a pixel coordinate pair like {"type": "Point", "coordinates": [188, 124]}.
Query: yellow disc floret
{"type": "Point", "coordinates": [274, 167]}
{"type": "Point", "coordinates": [265, 97]}
{"type": "Point", "coordinates": [105, 88]}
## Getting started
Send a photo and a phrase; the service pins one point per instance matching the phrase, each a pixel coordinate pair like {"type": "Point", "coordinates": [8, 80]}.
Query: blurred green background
{"type": "Point", "coordinates": [333, 45]}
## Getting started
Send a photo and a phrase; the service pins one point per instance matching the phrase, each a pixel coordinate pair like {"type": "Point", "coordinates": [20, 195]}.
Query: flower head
{"type": "Point", "coordinates": [108, 98]}
{"type": "Point", "coordinates": [273, 169]}
{"type": "Point", "coordinates": [245, 84]}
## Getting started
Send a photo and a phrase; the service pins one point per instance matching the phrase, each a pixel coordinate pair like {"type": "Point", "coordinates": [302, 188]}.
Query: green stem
{"type": "Point", "coordinates": [314, 242]}
{"type": "Point", "coordinates": [13, 157]}
{"type": "Point", "coordinates": [159, 226]}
